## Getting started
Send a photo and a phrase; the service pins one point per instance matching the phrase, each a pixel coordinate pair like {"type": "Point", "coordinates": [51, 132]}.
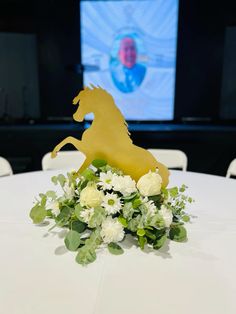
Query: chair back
{"type": "Point", "coordinates": [5, 168]}
{"type": "Point", "coordinates": [71, 160]}
{"type": "Point", "coordinates": [231, 169]}
{"type": "Point", "coordinates": [171, 158]}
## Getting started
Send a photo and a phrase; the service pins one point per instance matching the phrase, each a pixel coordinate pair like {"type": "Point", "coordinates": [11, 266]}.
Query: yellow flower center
{"type": "Point", "coordinates": [111, 202]}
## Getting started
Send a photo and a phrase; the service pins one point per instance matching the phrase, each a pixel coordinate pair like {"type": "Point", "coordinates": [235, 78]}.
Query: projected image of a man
{"type": "Point", "coordinates": [128, 74]}
{"type": "Point", "coordinates": [127, 52]}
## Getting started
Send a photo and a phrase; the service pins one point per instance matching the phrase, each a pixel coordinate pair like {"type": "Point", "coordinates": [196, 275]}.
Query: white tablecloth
{"type": "Point", "coordinates": [38, 275]}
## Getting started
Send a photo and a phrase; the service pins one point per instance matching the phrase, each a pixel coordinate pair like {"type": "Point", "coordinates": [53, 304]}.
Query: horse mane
{"type": "Point", "coordinates": [99, 93]}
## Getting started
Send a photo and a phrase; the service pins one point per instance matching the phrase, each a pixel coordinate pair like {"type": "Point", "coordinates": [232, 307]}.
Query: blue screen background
{"type": "Point", "coordinates": [153, 26]}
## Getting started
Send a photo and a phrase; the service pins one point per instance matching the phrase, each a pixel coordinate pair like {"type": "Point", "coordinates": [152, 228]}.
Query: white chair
{"type": "Point", "coordinates": [68, 160]}
{"type": "Point", "coordinates": [231, 169]}
{"type": "Point", "coordinates": [5, 168]}
{"type": "Point", "coordinates": [171, 158]}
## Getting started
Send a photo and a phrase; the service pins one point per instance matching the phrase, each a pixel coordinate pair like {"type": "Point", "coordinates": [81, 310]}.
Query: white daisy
{"type": "Point", "coordinates": [151, 207]}
{"type": "Point", "coordinates": [124, 184]}
{"type": "Point", "coordinates": [106, 180]}
{"type": "Point", "coordinates": [112, 230]}
{"type": "Point", "coordinates": [111, 203]}
{"type": "Point", "coordinates": [86, 214]}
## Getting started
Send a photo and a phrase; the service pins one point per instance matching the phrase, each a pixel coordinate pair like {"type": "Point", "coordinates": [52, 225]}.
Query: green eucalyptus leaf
{"type": "Point", "coordinates": [78, 209]}
{"type": "Point", "coordinates": [182, 188]}
{"type": "Point", "coordinates": [178, 233]}
{"type": "Point", "coordinates": [54, 180]}
{"type": "Point", "coordinates": [86, 255]}
{"type": "Point", "coordinates": [159, 242]}
{"type": "Point", "coordinates": [72, 240]}
{"type": "Point", "coordinates": [78, 226]}
{"type": "Point", "coordinates": [173, 192]}
{"type": "Point", "coordinates": [43, 201]}
{"type": "Point", "coordinates": [186, 218]}
{"type": "Point", "coordinates": [61, 179]}
{"type": "Point", "coordinates": [98, 163]}
{"type": "Point", "coordinates": [64, 216]}
{"type": "Point", "coordinates": [150, 234]}
{"type": "Point", "coordinates": [51, 194]}
{"type": "Point", "coordinates": [38, 214]}
{"type": "Point", "coordinates": [115, 249]}
{"type": "Point", "coordinates": [89, 174]}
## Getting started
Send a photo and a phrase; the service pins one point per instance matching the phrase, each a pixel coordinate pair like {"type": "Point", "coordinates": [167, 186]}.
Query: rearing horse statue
{"type": "Point", "coordinates": [108, 137]}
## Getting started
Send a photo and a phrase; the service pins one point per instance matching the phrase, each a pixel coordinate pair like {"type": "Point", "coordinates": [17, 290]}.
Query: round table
{"type": "Point", "coordinates": [38, 275]}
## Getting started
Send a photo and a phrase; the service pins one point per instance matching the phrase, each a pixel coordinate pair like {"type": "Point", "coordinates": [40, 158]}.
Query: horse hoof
{"type": "Point", "coordinates": [53, 154]}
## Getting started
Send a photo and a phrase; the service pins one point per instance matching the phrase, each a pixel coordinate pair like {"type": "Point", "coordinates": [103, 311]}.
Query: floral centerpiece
{"type": "Point", "coordinates": [101, 206]}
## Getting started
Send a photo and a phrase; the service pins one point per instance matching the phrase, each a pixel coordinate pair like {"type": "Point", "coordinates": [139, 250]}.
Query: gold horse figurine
{"type": "Point", "coordinates": [108, 137]}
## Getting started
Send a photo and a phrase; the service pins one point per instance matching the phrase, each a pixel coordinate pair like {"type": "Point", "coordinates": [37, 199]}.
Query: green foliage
{"type": "Point", "coordinates": [141, 232]}
{"type": "Point", "coordinates": [78, 209]}
{"type": "Point", "coordinates": [61, 179]}
{"type": "Point", "coordinates": [173, 192]}
{"type": "Point", "coordinates": [128, 211]}
{"type": "Point", "coordinates": [136, 203]}
{"type": "Point", "coordinates": [98, 163]}
{"type": "Point", "coordinates": [185, 218]}
{"type": "Point", "coordinates": [51, 194]}
{"type": "Point", "coordinates": [78, 226]}
{"type": "Point", "coordinates": [129, 197]}
{"type": "Point", "coordinates": [87, 254]}
{"type": "Point", "coordinates": [123, 221]}
{"type": "Point", "coordinates": [115, 249]}
{"type": "Point", "coordinates": [182, 188]}
{"type": "Point", "coordinates": [97, 217]}
{"type": "Point", "coordinates": [159, 242]}
{"type": "Point", "coordinates": [142, 242]}
{"type": "Point", "coordinates": [150, 234]}
{"type": "Point", "coordinates": [64, 216]}
{"type": "Point", "coordinates": [178, 234]}
{"type": "Point", "coordinates": [38, 213]}
{"type": "Point", "coordinates": [89, 174]}
{"type": "Point", "coordinates": [136, 217]}
{"type": "Point", "coordinates": [72, 240]}
{"type": "Point", "coordinates": [133, 224]}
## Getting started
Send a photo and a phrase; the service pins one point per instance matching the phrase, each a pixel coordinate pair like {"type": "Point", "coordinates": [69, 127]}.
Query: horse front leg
{"type": "Point", "coordinates": [79, 146]}
{"type": "Point", "coordinates": [68, 140]}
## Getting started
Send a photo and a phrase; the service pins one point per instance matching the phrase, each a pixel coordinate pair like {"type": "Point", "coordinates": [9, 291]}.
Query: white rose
{"type": "Point", "coordinates": [91, 197]}
{"type": "Point", "coordinates": [150, 184]}
{"type": "Point", "coordinates": [112, 230]}
{"type": "Point", "coordinates": [167, 215]}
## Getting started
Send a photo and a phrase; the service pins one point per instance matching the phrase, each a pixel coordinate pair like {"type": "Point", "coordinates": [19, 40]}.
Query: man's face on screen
{"type": "Point", "coordinates": [127, 52]}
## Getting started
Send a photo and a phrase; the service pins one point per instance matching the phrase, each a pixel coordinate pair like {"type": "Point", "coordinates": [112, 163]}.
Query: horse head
{"type": "Point", "coordinates": [89, 100]}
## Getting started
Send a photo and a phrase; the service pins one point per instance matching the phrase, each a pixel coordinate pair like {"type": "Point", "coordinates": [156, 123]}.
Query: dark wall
{"type": "Point", "coordinates": [200, 56]}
